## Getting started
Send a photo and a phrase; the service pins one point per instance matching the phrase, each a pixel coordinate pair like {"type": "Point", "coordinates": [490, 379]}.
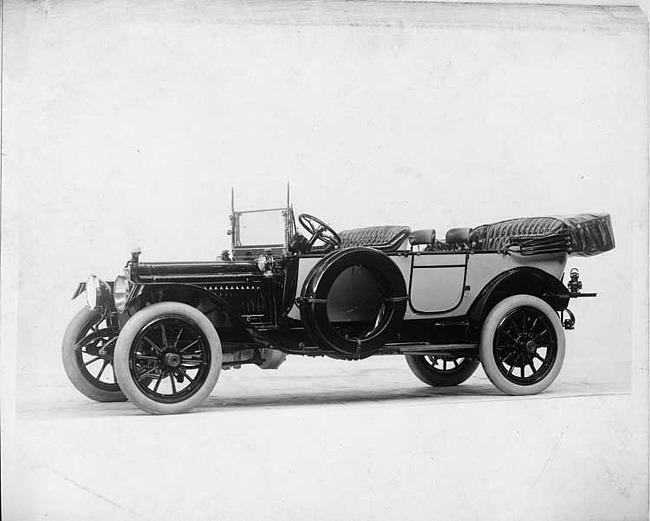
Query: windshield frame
{"type": "Point", "coordinates": [242, 250]}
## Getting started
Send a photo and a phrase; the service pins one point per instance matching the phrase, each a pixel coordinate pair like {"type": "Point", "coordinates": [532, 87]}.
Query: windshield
{"type": "Point", "coordinates": [264, 227]}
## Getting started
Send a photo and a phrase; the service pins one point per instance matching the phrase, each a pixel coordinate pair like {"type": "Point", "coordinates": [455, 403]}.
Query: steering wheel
{"type": "Point", "coordinates": [319, 230]}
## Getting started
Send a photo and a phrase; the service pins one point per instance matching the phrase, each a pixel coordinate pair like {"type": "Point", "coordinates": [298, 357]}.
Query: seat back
{"type": "Point", "coordinates": [455, 239]}
{"type": "Point", "coordinates": [384, 238]}
{"type": "Point", "coordinates": [496, 236]}
{"type": "Point", "coordinates": [426, 237]}
{"type": "Point", "coordinates": [458, 238]}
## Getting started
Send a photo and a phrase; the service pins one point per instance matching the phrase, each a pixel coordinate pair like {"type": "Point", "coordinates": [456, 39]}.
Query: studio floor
{"type": "Point", "coordinates": [324, 439]}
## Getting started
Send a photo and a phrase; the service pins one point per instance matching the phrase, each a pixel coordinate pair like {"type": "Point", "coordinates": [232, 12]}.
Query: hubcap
{"type": "Point", "coordinates": [172, 359]}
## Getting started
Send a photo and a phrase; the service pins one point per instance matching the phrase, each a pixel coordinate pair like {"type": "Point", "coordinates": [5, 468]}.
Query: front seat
{"type": "Point", "coordinates": [426, 237]}
{"type": "Point", "coordinates": [383, 238]}
{"type": "Point", "coordinates": [458, 238]}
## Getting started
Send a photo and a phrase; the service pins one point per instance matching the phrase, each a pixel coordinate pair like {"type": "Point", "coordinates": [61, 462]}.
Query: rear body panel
{"type": "Point", "coordinates": [445, 284]}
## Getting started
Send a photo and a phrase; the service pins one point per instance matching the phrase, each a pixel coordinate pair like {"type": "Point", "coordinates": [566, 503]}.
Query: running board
{"type": "Point", "coordinates": [427, 349]}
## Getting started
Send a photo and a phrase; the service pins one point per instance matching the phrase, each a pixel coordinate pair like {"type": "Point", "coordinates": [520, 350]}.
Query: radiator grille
{"type": "Point", "coordinates": [247, 298]}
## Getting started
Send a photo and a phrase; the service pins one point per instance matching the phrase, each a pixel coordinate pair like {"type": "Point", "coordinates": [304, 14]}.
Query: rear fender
{"type": "Point", "coordinates": [523, 280]}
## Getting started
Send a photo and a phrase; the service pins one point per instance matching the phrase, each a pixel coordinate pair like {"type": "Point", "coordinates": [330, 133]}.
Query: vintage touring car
{"type": "Point", "coordinates": [160, 333]}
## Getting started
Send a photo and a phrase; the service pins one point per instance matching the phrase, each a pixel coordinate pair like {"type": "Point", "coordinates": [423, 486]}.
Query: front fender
{"type": "Point", "coordinates": [81, 287]}
{"type": "Point", "coordinates": [188, 294]}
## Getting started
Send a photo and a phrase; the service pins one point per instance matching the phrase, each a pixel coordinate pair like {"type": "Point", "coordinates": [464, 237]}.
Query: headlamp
{"type": "Point", "coordinates": [121, 291]}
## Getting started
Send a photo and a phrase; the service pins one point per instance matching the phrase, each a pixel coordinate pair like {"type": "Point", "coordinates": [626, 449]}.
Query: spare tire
{"type": "Point", "coordinates": [360, 325]}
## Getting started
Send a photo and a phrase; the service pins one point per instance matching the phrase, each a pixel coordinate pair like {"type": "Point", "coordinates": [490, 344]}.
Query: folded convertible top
{"type": "Point", "coordinates": [582, 235]}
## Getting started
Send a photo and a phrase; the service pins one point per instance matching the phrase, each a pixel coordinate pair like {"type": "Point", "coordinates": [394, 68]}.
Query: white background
{"type": "Point", "coordinates": [127, 124]}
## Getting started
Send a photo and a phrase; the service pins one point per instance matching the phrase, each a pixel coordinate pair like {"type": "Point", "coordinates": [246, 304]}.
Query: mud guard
{"type": "Point", "coordinates": [316, 289]}
{"type": "Point", "coordinates": [524, 280]}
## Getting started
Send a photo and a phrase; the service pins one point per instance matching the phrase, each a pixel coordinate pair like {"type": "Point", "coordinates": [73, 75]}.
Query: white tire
{"type": "Point", "coordinates": [87, 355]}
{"type": "Point", "coordinates": [522, 345]}
{"type": "Point", "coordinates": [168, 358]}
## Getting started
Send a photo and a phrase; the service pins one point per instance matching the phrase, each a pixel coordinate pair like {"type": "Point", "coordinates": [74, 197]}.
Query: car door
{"type": "Point", "coordinates": [437, 281]}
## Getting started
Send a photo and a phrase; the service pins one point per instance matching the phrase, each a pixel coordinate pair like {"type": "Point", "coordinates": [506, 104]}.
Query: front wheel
{"type": "Point", "coordinates": [522, 345]}
{"type": "Point", "coordinates": [87, 354]}
{"type": "Point", "coordinates": [168, 358]}
{"type": "Point", "coordinates": [442, 370]}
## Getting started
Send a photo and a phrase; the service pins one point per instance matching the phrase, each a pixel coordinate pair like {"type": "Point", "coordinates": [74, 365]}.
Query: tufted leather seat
{"type": "Point", "coordinates": [499, 235]}
{"type": "Point", "coordinates": [384, 238]}
{"type": "Point", "coordinates": [583, 234]}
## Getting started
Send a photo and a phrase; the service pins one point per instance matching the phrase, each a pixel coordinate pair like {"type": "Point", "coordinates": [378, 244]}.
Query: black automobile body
{"type": "Point", "coordinates": [495, 294]}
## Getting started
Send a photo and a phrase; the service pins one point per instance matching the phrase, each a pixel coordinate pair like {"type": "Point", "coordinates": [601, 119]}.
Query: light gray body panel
{"type": "Point", "coordinates": [445, 284]}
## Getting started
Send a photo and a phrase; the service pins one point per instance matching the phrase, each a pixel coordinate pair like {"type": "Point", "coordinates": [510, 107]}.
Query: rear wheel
{"type": "Point", "coordinates": [522, 345]}
{"type": "Point", "coordinates": [442, 370]}
{"type": "Point", "coordinates": [168, 358]}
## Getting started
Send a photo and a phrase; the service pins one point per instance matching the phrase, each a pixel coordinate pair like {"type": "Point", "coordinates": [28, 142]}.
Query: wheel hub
{"type": "Point", "coordinates": [523, 347]}
{"type": "Point", "coordinates": [172, 359]}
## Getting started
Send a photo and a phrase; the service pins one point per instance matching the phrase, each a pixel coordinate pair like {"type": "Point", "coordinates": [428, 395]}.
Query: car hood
{"type": "Point", "coordinates": [193, 271]}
